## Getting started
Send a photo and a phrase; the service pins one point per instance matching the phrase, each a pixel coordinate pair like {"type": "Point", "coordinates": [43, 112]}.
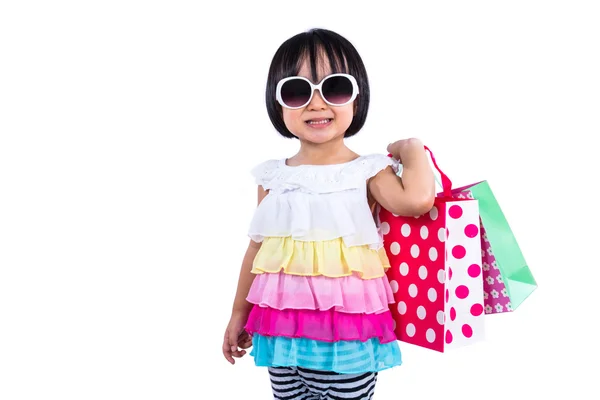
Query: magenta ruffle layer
{"type": "Point", "coordinates": [327, 326]}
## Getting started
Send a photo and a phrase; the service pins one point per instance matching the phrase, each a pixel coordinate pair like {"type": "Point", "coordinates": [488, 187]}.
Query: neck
{"type": "Point", "coordinates": [324, 153]}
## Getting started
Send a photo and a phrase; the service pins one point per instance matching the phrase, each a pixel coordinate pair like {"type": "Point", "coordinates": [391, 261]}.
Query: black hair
{"type": "Point", "coordinates": [343, 58]}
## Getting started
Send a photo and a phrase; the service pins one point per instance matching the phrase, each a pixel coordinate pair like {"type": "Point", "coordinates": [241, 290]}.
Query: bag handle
{"type": "Point", "coordinates": [446, 182]}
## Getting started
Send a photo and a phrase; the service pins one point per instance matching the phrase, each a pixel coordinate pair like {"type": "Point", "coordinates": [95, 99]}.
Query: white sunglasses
{"type": "Point", "coordinates": [336, 90]}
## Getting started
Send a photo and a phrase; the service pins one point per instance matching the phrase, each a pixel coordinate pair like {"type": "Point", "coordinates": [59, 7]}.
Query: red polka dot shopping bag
{"type": "Point", "coordinates": [436, 272]}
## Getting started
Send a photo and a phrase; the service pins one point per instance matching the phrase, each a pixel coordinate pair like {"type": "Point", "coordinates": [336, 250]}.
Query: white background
{"type": "Point", "coordinates": [128, 130]}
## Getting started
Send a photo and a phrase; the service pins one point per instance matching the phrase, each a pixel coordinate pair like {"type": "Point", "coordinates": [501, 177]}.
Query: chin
{"type": "Point", "coordinates": [319, 137]}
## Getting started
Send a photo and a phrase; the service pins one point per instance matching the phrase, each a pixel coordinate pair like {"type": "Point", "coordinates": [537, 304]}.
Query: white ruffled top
{"type": "Point", "coordinates": [318, 202]}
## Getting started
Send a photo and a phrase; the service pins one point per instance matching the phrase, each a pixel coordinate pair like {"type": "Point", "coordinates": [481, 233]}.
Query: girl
{"type": "Point", "coordinates": [312, 298]}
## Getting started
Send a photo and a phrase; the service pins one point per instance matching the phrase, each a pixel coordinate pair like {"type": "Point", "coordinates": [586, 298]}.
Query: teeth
{"type": "Point", "coordinates": [323, 121]}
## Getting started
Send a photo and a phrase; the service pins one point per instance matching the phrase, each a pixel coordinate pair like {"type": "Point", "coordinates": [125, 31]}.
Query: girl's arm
{"type": "Point", "coordinates": [414, 193]}
{"type": "Point", "coordinates": [236, 338]}
{"type": "Point", "coordinates": [241, 306]}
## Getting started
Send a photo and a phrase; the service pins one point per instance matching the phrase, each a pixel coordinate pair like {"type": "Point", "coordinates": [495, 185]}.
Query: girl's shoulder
{"type": "Point", "coordinates": [275, 172]}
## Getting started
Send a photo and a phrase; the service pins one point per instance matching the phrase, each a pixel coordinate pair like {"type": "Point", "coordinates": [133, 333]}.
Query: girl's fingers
{"type": "Point", "coordinates": [238, 354]}
{"type": "Point", "coordinates": [227, 351]}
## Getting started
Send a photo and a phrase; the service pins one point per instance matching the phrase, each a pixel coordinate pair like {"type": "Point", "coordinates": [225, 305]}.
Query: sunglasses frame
{"type": "Point", "coordinates": [318, 87]}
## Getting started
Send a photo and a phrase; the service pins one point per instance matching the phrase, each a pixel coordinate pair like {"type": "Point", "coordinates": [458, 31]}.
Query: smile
{"type": "Point", "coordinates": [316, 122]}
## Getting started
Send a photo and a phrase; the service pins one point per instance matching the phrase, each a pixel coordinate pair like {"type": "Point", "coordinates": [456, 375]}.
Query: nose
{"type": "Point", "coordinates": [317, 102]}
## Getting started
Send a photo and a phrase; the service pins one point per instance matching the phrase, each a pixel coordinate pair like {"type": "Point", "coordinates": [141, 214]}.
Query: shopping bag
{"type": "Point", "coordinates": [508, 280]}
{"type": "Point", "coordinates": [436, 273]}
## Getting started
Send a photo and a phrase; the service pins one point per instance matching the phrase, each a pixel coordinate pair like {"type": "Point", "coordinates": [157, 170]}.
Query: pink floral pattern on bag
{"type": "Point", "coordinates": [495, 294]}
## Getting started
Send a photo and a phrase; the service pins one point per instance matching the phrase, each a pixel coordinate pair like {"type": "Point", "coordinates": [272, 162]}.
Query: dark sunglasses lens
{"type": "Point", "coordinates": [337, 90]}
{"type": "Point", "coordinates": [295, 92]}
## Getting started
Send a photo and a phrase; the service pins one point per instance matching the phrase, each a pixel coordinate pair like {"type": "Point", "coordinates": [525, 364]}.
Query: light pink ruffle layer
{"type": "Point", "coordinates": [328, 326]}
{"type": "Point", "coordinates": [349, 294]}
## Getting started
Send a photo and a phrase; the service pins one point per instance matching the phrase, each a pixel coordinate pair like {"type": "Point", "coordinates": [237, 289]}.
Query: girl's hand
{"type": "Point", "coordinates": [236, 338]}
{"type": "Point", "coordinates": [402, 147]}
{"type": "Point", "coordinates": [413, 194]}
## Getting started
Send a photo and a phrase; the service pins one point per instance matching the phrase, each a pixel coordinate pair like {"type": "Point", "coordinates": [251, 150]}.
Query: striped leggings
{"type": "Point", "coordinates": [295, 383]}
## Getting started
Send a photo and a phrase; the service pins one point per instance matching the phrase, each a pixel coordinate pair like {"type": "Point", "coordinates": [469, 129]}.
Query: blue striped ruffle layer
{"type": "Point", "coordinates": [348, 357]}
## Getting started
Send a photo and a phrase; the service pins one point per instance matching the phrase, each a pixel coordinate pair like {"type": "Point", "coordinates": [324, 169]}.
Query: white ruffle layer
{"type": "Point", "coordinates": [318, 202]}
{"type": "Point", "coordinates": [276, 175]}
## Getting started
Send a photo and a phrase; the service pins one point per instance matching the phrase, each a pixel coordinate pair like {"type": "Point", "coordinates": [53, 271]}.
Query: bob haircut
{"type": "Point", "coordinates": [343, 58]}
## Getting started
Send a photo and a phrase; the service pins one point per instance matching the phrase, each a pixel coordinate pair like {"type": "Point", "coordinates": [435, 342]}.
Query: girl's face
{"type": "Point", "coordinates": [318, 122]}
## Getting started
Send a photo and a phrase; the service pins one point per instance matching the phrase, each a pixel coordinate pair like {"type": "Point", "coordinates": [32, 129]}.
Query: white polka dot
{"type": "Point", "coordinates": [433, 213]}
{"type": "Point", "coordinates": [414, 251]}
{"type": "Point", "coordinates": [421, 313]}
{"type": "Point", "coordinates": [411, 330]}
{"type": "Point", "coordinates": [395, 248]}
{"type": "Point", "coordinates": [401, 307]}
{"type": "Point", "coordinates": [412, 290]}
{"type": "Point", "coordinates": [442, 234]}
{"type": "Point", "coordinates": [422, 272]}
{"type": "Point", "coordinates": [394, 321]}
{"type": "Point", "coordinates": [440, 317]}
{"type": "Point", "coordinates": [385, 228]}
{"type": "Point", "coordinates": [404, 269]}
{"type": "Point", "coordinates": [424, 232]}
{"type": "Point", "coordinates": [433, 254]}
{"type": "Point", "coordinates": [430, 335]}
{"type": "Point", "coordinates": [432, 294]}
{"type": "Point", "coordinates": [441, 275]}
{"type": "Point", "coordinates": [405, 230]}
{"type": "Point", "coordinates": [394, 286]}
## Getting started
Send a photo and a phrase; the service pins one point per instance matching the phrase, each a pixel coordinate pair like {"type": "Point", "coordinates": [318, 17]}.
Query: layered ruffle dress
{"type": "Point", "coordinates": [320, 294]}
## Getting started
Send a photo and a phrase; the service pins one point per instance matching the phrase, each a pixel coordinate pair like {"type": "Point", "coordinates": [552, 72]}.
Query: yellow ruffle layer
{"type": "Point", "coordinates": [329, 258]}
